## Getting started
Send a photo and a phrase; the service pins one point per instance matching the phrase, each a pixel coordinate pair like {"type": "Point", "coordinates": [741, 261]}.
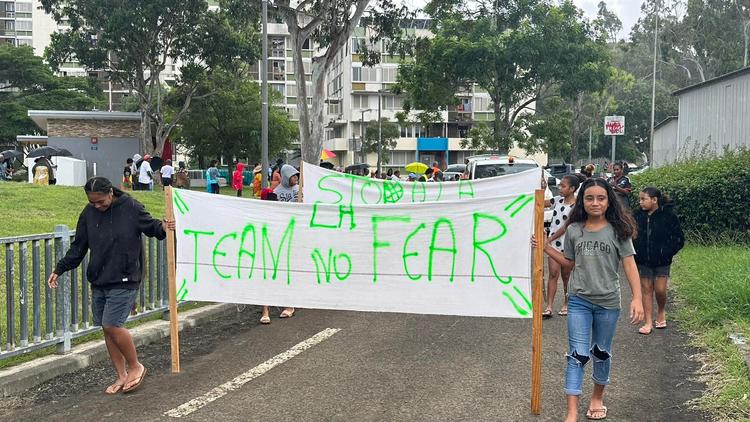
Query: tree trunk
{"type": "Point", "coordinates": [312, 148]}
{"type": "Point", "coordinates": [497, 124]}
{"type": "Point", "coordinates": [575, 127]}
{"type": "Point", "coordinates": [299, 75]}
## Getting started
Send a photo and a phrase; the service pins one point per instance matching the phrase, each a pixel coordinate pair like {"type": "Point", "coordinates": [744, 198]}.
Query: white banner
{"type": "Point", "coordinates": [330, 187]}
{"type": "Point", "coordinates": [469, 257]}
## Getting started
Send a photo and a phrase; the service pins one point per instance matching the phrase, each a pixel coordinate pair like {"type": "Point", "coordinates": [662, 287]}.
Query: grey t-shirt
{"type": "Point", "coordinates": [597, 256]}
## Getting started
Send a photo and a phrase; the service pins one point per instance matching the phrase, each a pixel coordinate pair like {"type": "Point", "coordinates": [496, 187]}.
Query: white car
{"type": "Point", "coordinates": [484, 166]}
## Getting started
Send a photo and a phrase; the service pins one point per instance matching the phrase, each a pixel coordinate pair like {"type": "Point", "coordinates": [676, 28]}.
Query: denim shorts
{"type": "Point", "coordinates": [111, 307]}
{"type": "Point", "coordinates": [651, 273]}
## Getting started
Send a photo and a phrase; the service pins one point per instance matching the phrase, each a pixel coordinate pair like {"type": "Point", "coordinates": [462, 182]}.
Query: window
{"type": "Point", "coordinates": [358, 44]}
{"type": "Point", "coordinates": [291, 90]}
{"type": "Point", "coordinates": [23, 7]}
{"type": "Point", "coordinates": [360, 101]}
{"type": "Point", "coordinates": [391, 102]}
{"type": "Point", "coordinates": [277, 47]}
{"type": "Point", "coordinates": [389, 74]}
{"type": "Point", "coordinates": [482, 104]}
{"type": "Point", "coordinates": [306, 44]}
{"type": "Point", "coordinates": [23, 25]}
{"type": "Point", "coordinates": [364, 74]}
{"type": "Point", "coordinates": [10, 7]}
{"type": "Point", "coordinates": [401, 158]}
{"type": "Point", "coordinates": [10, 25]}
{"type": "Point", "coordinates": [278, 88]}
{"type": "Point", "coordinates": [277, 70]}
{"type": "Point", "coordinates": [24, 42]}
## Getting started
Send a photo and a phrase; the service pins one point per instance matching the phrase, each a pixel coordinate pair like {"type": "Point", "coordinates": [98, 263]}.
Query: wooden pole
{"type": "Point", "coordinates": [536, 330]}
{"type": "Point", "coordinates": [171, 282]}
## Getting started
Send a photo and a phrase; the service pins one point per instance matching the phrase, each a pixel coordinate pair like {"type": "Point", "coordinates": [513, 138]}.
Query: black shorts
{"type": "Point", "coordinates": [646, 271]}
{"type": "Point", "coordinates": [111, 307]}
{"type": "Point", "coordinates": [166, 181]}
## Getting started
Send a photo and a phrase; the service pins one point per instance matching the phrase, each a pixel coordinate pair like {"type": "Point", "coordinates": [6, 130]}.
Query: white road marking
{"type": "Point", "coordinates": [222, 390]}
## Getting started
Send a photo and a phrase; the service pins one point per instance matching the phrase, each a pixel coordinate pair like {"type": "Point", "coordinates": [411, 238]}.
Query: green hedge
{"type": "Point", "coordinates": [712, 196]}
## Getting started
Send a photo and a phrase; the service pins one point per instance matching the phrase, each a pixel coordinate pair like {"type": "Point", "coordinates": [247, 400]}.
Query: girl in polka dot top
{"type": "Point", "coordinates": [562, 205]}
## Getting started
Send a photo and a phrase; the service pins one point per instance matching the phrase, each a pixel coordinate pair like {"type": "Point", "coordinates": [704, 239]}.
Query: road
{"type": "Point", "coordinates": [377, 367]}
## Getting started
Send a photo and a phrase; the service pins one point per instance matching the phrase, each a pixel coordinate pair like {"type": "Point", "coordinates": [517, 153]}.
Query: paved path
{"type": "Point", "coordinates": [378, 367]}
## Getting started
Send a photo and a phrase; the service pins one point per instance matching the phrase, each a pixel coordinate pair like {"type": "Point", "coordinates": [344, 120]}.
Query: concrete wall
{"type": "Point", "coordinates": [80, 128]}
{"type": "Point", "coordinates": [715, 116]}
{"type": "Point", "coordinates": [665, 143]}
{"type": "Point", "coordinates": [109, 154]}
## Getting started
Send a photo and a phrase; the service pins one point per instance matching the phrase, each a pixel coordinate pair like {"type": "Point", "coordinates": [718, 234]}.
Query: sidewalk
{"type": "Point", "coordinates": [20, 378]}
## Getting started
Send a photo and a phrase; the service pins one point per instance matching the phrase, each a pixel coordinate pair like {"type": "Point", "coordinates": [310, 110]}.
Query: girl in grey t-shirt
{"type": "Point", "coordinates": [598, 237]}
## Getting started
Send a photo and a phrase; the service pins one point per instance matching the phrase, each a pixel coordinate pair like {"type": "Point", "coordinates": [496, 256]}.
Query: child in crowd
{"type": "Point", "coordinates": [660, 240]}
{"type": "Point", "coordinates": [212, 178]}
{"type": "Point", "coordinates": [562, 206]}
{"type": "Point", "coordinates": [237, 179]}
{"type": "Point", "coordinates": [599, 237]}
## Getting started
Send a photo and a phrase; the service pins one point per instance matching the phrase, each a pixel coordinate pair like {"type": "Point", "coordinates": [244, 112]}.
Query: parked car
{"type": "Point", "coordinates": [454, 170]}
{"type": "Point", "coordinates": [560, 170]}
{"type": "Point", "coordinates": [483, 166]}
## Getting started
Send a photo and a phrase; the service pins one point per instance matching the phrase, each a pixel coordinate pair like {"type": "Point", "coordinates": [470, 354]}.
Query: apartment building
{"type": "Point", "coordinates": [356, 93]}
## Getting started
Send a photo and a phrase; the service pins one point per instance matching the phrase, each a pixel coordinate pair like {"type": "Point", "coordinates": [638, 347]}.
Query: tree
{"type": "Point", "coordinates": [28, 83]}
{"type": "Point", "coordinates": [520, 52]}
{"type": "Point", "coordinates": [227, 123]}
{"type": "Point", "coordinates": [134, 41]}
{"type": "Point", "coordinates": [329, 25]}
{"type": "Point", "coordinates": [390, 133]}
{"type": "Point", "coordinates": [608, 21]}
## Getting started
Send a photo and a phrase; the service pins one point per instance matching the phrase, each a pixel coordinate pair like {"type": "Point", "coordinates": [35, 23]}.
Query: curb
{"type": "Point", "coordinates": [20, 378]}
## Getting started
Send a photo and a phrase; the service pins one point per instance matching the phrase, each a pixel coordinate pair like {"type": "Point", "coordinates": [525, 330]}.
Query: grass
{"type": "Point", "coordinates": [31, 209]}
{"type": "Point", "coordinates": [712, 285]}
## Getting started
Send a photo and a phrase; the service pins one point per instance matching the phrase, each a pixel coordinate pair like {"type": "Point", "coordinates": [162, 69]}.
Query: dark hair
{"type": "Point", "coordinates": [429, 171]}
{"type": "Point", "coordinates": [620, 218]}
{"type": "Point", "coordinates": [214, 162]}
{"type": "Point", "coordinates": [573, 181]}
{"type": "Point", "coordinates": [99, 184]}
{"type": "Point", "coordinates": [129, 161]}
{"type": "Point", "coordinates": [661, 198]}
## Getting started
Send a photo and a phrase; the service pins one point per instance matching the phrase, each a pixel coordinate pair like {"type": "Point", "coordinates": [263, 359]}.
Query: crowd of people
{"type": "Point", "coordinates": [593, 234]}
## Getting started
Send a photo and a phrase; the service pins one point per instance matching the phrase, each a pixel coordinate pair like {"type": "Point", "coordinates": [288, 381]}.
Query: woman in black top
{"type": "Point", "coordinates": [659, 241]}
{"type": "Point", "coordinates": [109, 229]}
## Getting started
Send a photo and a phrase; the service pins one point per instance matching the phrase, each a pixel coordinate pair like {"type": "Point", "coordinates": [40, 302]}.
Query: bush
{"type": "Point", "coordinates": [711, 195]}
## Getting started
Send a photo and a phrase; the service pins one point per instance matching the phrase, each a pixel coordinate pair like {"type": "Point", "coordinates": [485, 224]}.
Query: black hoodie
{"type": "Point", "coordinates": [660, 237]}
{"type": "Point", "coordinates": [114, 239]}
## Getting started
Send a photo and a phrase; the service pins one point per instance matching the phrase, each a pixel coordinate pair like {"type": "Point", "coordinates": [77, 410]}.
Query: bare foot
{"type": "Point", "coordinates": [571, 418]}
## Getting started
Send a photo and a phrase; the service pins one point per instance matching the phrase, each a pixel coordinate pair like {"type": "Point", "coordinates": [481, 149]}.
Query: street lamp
{"type": "Point", "coordinates": [264, 107]}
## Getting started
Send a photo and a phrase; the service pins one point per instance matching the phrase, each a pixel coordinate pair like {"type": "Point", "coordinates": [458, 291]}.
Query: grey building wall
{"type": "Point", "coordinates": [109, 154]}
{"type": "Point", "coordinates": [665, 143]}
{"type": "Point", "coordinates": [715, 116]}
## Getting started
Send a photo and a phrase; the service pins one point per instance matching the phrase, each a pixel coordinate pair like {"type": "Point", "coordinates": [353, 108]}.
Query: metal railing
{"type": "Point", "coordinates": [62, 314]}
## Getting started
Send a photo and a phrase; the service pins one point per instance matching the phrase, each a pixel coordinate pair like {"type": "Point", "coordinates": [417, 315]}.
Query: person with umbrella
{"type": "Point", "coordinates": [41, 172]}
{"type": "Point", "coordinates": [3, 169]}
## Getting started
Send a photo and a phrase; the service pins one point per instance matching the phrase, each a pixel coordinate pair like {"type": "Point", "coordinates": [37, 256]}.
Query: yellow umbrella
{"type": "Point", "coordinates": [416, 168]}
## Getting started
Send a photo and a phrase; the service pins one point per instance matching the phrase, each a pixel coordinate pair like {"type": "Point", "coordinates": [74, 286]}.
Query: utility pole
{"type": "Point", "coordinates": [747, 39]}
{"type": "Point", "coordinates": [380, 132]}
{"type": "Point", "coordinates": [264, 105]}
{"type": "Point", "coordinates": [590, 133]}
{"type": "Point", "coordinates": [653, 86]}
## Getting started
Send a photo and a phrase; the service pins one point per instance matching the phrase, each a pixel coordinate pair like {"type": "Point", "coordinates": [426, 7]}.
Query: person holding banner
{"type": "Point", "coordinates": [287, 191]}
{"type": "Point", "coordinates": [599, 236]}
{"type": "Point", "coordinates": [109, 229]}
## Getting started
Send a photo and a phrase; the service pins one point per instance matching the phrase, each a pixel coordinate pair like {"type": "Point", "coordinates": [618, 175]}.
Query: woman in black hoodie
{"type": "Point", "coordinates": [110, 228]}
{"type": "Point", "coordinates": [660, 238]}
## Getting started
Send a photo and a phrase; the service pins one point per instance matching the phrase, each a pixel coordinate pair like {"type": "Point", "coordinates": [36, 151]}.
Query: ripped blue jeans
{"type": "Point", "coordinates": [590, 332]}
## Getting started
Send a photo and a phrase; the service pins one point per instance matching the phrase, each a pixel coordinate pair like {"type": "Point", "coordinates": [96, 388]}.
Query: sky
{"type": "Point", "coordinates": [627, 10]}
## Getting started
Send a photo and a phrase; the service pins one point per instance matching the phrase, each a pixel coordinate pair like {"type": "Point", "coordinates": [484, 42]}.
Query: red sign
{"type": "Point", "coordinates": [614, 125]}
